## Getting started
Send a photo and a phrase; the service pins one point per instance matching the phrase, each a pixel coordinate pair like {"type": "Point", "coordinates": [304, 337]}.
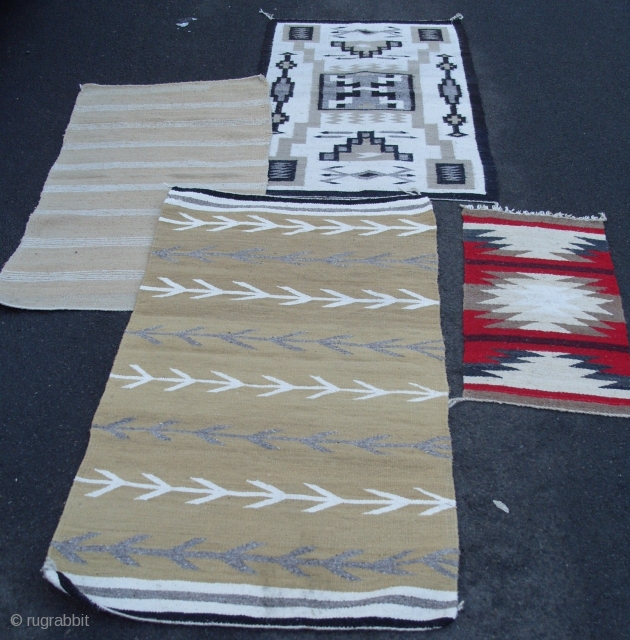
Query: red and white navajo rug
{"type": "Point", "coordinates": [543, 321]}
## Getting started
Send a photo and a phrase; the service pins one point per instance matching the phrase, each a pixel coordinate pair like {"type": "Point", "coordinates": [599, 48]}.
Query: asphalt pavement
{"type": "Point", "coordinates": [554, 82]}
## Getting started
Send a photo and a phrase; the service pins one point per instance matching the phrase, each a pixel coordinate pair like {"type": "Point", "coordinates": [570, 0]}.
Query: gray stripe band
{"type": "Point", "coordinates": [255, 601]}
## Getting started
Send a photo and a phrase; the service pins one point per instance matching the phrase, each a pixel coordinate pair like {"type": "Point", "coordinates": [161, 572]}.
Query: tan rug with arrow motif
{"type": "Point", "coordinates": [272, 449]}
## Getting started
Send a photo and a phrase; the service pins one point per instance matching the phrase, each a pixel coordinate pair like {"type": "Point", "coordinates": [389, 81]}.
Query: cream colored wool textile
{"type": "Point", "coordinates": [375, 107]}
{"type": "Point", "coordinates": [87, 243]}
{"type": "Point", "coordinates": [272, 448]}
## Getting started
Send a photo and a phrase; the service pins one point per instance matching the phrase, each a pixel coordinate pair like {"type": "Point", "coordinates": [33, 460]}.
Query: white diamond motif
{"type": "Point", "coordinates": [546, 302]}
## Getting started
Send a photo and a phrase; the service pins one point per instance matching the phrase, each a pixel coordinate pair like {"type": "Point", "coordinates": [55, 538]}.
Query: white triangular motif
{"type": "Point", "coordinates": [549, 371]}
{"type": "Point", "coordinates": [540, 243]}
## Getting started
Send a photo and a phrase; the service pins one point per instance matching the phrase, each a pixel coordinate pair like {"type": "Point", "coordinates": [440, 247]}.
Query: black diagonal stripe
{"type": "Point", "coordinates": [556, 342]}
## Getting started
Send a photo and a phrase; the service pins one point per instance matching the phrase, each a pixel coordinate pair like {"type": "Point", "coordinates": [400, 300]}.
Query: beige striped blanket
{"type": "Point", "coordinates": [272, 447]}
{"type": "Point", "coordinates": [87, 243]}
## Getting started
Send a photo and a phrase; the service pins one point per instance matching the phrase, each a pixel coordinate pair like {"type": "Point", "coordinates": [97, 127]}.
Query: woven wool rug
{"type": "Point", "coordinates": [375, 106]}
{"type": "Point", "coordinates": [87, 243]}
{"type": "Point", "coordinates": [543, 321]}
{"type": "Point", "coordinates": [272, 448]}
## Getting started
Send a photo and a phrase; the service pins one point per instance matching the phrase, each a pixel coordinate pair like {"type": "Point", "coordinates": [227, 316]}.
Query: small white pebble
{"type": "Point", "coordinates": [501, 505]}
{"type": "Point", "coordinates": [184, 22]}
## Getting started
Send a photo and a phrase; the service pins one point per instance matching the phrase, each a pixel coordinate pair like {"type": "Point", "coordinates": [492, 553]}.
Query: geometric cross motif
{"type": "Point", "coordinates": [451, 92]}
{"type": "Point", "coordinates": [366, 90]}
{"type": "Point", "coordinates": [281, 91]}
{"type": "Point", "coordinates": [562, 373]}
{"type": "Point", "coordinates": [365, 140]}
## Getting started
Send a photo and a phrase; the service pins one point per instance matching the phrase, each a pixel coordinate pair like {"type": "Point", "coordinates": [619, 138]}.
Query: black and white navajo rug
{"type": "Point", "coordinates": [375, 106]}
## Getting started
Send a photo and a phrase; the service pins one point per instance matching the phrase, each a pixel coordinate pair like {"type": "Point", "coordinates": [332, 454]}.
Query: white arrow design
{"type": "Point", "coordinates": [301, 226]}
{"type": "Point", "coordinates": [191, 222]}
{"type": "Point", "coordinates": [250, 292]}
{"type": "Point", "coordinates": [323, 388]}
{"type": "Point", "coordinates": [258, 223]}
{"type": "Point", "coordinates": [268, 494]}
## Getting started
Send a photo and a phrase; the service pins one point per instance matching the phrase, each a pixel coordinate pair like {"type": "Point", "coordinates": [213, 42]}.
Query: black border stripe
{"type": "Point", "coordinates": [556, 342]}
{"type": "Point", "coordinates": [544, 268]}
{"type": "Point", "coordinates": [481, 131]}
{"type": "Point", "coordinates": [295, 197]}
{"type": "Point", "coordinates": [309, 623]}
{"type": "Point", "coordinates": [326, 195]}
{"type": "Point", "coordinates": [265, 54]}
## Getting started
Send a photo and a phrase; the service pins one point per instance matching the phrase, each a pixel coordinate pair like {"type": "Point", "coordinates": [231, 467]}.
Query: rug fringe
{"type": "Point", "coordinates": [518, 212]}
